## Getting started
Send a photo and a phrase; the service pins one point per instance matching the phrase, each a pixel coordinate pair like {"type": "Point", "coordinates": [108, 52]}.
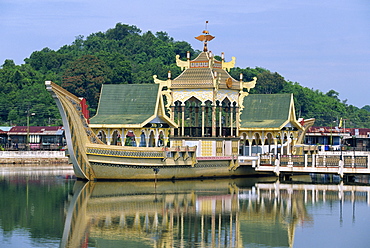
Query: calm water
{"type": "Point", "coordinates": [49, 209]}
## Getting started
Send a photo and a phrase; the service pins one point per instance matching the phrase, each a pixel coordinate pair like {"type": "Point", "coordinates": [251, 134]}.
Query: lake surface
{"type": "Point", "coordinates": [51, 209]}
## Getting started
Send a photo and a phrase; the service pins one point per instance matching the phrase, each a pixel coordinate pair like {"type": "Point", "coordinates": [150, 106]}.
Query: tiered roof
{"type": "Point", "coordinates": [202, 72]}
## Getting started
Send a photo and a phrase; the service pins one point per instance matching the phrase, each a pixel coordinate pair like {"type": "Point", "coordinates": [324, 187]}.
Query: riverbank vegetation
{"type": "Point", "coordinates": [124, 54]}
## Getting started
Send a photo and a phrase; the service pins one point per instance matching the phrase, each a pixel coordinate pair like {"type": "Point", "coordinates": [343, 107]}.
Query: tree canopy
{"type": "Point", "coordinates": [125, 55]}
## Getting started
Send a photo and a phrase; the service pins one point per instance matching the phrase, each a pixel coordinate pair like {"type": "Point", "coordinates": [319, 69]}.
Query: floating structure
{"type": "Point", "coordinates": [203, 123]}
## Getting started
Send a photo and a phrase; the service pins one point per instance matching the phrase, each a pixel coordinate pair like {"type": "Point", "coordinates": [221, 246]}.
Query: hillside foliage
{"type": "Point", "coordinates": [125, 55]}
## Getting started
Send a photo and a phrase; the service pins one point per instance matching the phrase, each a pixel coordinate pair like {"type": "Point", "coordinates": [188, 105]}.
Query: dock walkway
{"type": "Point", "coordinates": [345, 163]}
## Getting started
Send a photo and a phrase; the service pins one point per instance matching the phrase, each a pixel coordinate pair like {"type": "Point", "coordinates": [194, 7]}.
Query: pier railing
{"type": "Point", "coordinates": [316, 163]}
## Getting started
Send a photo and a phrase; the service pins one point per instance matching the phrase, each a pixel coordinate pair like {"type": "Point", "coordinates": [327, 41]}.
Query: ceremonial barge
{"type": "Point", "coordinates": [201, 124]}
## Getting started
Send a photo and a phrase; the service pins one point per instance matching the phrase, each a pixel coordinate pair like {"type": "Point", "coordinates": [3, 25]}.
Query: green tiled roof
{"type": "Point", "coordinates": [265, 110]}
{"type": "Point", "coordinates": [126, 103]}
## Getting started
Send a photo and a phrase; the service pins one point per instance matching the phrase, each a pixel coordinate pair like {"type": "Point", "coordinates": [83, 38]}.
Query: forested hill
{"type": "Point", "coordinates": [125, 55]}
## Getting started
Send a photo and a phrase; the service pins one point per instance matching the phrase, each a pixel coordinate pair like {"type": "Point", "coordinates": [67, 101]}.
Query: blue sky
{"type": "Point", "coordinates": [322, 45]}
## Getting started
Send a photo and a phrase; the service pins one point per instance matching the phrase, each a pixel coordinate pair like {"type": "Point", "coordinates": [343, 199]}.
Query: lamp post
{"type": "Point", "coordinates": [28, 129]}
{"type": "Point", "coordinates": [354, 149]}
{"type": "Point", "coordinates": [291, 144]}
{"type": "Point", "coordinates": [340, 146]}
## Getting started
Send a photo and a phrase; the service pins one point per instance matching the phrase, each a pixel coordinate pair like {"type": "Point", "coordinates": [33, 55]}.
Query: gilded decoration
{"type": "Point", "coordinates": [162, 83]}
{"type": "Point", "coordinates": [182, 64]}
{"type": "Point", "coordinates": [249, 85]}
{"type": "Point", "coordinates": [117, 153]}
{"type": "Point", "coordinates": [176, 143]}
{"type": "Point", "coordinates": [241, 99]}
{"type": "Point", "coordinates": [92, 137]}
{"type": "Point", "coordinates": [207, 147]}
{"type": "Point", "coordinates": [228, 65]}
{"type": "Point", "coordinates": [185, 94]}
{"type": "Point", "coordinates": [168, 96]}
{"type": "Point", "coordinates": [232, 95]}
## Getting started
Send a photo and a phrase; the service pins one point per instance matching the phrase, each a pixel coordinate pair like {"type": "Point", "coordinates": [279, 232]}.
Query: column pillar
{"type": "Point", "coordinates": [183, 119]}
{"type": "Point", "coordinates": [172, 119]}
{"type": "Point", "coordinates": [179, 120]}
{"type": "Point", "coordinates": [197, 120]}
{"type": "Point", "coordinates": [220, 118]}
{"type": "Point", "coordinates": [203, 107]}
{"type": "Point", "coordinates": [213, 121]}
{"type": "Point", "coordinates": [276, 146]}
{"type": "Point", "coordinates": [231, 120]}
{"type": "Point", "coordinates": [237, 118]}
{"type": "Point", "coordinates": [250, 140]}
{"type": "Point", "coordinates": [263, 138]}
{"type": "Point", "coordinates": [123, 137]}
{"type": "Point", "coordinates": [156, 137]}
{"type": "Point", "coordinates": [147, 137]}
{"type": "Point", "coordinates": [109, 136]}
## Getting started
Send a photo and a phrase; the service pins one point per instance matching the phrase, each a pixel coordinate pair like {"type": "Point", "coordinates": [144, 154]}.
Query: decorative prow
{"type": "Point", "coordinates": [306, 124]}
{"type": "Point", "coordinates": [74, 123]}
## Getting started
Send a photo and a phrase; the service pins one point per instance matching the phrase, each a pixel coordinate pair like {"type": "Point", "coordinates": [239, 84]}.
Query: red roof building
{"type": "Point", "coordinates": [45, 137]}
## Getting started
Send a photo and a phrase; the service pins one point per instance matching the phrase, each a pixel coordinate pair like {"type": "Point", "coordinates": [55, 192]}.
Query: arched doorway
{"type": "Point", "coordinates": [269, 142]}
{"type": "Point", "coordinates": [256, 144]}
{"type": "Point", "coordinates": [130, 139]}
{"type": "Point", "coordinates": [116, 138]}
{"type": "Point", "coordinates": [151, 139]}
{"type": "Point", "coordinates": [142, 140]}
{"type": "Point", "coordinates": [102, 136]}
{"type": "Point", "coordinates": [160, 139]}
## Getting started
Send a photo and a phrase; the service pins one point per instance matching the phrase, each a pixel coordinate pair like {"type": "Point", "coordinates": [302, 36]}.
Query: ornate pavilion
{"type": "Point", "coordinates": [204, 107]}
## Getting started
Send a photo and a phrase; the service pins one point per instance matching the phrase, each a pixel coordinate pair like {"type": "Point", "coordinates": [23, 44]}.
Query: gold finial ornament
{"type": "Point", "coordinates": [205, 37]}
{"type": "Point", "coordinates": [229, 82]}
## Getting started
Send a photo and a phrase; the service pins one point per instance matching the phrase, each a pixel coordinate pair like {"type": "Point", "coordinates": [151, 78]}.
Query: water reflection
{"type": "Point", "coordinates": [39, 208]}
{"type": "Point", "coordinates": [219, 213]}
{"type": "Point", "coordinates": [31, 206]}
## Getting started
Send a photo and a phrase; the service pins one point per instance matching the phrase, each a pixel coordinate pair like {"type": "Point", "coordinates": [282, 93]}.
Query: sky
{"type": "Point", "coordinates": [322, 45]}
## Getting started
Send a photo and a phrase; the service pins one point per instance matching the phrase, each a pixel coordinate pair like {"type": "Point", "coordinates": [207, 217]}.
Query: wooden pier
{"type": "Point", "coordinates": [340, 163]}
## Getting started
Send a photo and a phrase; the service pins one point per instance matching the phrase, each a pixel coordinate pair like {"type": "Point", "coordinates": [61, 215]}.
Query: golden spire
{"type": "Point", "coordinates": [205, 37]}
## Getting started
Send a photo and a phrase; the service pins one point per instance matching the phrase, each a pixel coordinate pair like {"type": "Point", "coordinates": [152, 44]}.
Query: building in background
{"type": "Point", "coordinates": [40, 138]}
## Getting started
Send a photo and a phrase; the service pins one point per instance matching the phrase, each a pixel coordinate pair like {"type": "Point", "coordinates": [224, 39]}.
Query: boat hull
{"type": "Point", "coordinates": [206, 169]}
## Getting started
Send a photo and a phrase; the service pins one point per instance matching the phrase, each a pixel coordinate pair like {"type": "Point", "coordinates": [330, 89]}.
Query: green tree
{"type": "Point", "coordinates": [47, 60]}
{"type": "Point", "coordinates": [366, 107]}
{"type": "Point", "coordinates": [84, 78]}
{"type": "Point", "coordinates": [121, 31]}
{"type": "Point", "coordinates": [13, 116]}
{"type": "Point", "coordinates": [269, 83]}
{"type": "Point", "coordinates": [124, 55]}
{"type": "Point", "coordinates": [120, 68]}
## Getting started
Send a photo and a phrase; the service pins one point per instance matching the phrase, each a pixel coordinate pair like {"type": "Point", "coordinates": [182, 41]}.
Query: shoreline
{"type": "Point", "coordinates": [64, 171]}
{"type": "Point", "coordinates": [32, 161]}
{"type": "Point", "coordinates": [41, 158]}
